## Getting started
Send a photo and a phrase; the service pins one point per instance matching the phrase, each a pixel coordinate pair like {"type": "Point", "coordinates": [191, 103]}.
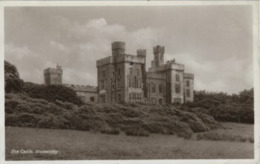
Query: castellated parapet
{"type": "Point", "coordinates": [158, 52]}
{"type": "Point", "coordinates": [158, 49]}
{"type": "Point", "coordinates": [141, 52]}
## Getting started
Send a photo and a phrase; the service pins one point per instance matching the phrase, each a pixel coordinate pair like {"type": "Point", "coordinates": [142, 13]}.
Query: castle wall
{"type": "Point", "coordinates": [134, 82]}
{"type": "Point", "coordinates": [116, 72]}
{"type": "Point", "coordinates": [53, 76]}
{"type": "Point", "coordinates": [188, 87]}
{"type": "Point", "coordinates": [88, 96]}
{"type": "Point", "coordinates": [156, 88]}
{"type": "Point", "coordinates": [177, 91]}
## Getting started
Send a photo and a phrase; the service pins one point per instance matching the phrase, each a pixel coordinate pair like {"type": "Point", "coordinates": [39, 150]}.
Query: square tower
{"type": "Point", "coordinates": [121, 76]}
{"type": "Point", "coordinates": [53, 76]}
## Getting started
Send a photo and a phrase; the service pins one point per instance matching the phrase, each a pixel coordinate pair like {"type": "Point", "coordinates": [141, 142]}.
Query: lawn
{"type": "Point", "coordinates": [83, 145]}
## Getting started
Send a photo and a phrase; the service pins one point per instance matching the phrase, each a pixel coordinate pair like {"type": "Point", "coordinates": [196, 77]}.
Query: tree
{"type": "Point", "coordinates": [13, 83]}
{"type": "Point", "coordinates": [52, 93]}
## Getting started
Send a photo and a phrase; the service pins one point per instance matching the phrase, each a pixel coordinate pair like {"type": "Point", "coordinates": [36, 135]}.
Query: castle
{"type": "Point", "coordinates": [123, 78]}
{"type": "Point", "coordinates": [53, 76]}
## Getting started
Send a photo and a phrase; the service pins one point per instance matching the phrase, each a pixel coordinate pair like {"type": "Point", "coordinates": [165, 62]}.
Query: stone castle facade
{"type": "Point", "coordinates": [123, 78]}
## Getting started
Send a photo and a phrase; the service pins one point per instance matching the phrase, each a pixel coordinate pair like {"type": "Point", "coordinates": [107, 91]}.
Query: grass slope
{"type": "Point", "coordinates": [75, 145]}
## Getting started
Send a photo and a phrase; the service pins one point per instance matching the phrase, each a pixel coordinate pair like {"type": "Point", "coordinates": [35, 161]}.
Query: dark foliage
{"type": "Point", "coordinates": [13, 83]}
{"type": "Point", "coordinates": [140, 120]}
{"type": "Point", "coordinates": [52, 93]}
{"type": "Point", "coordinates": [224, 107]}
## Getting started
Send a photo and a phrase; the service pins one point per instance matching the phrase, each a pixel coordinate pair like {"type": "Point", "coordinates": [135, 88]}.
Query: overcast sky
{"type": "Point", "coordinates": [213, 42]}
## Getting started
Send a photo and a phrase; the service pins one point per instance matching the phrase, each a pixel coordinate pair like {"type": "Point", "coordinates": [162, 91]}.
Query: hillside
{"type": "Point", "coordinates": [24, 111]}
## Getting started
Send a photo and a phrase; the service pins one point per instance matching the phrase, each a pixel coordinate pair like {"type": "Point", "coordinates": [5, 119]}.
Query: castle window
{"type": "Point", "coordinates": [187, 92]}
{"type": "Point", "coordinates": [118, 82]}
{"type": "Point", "coordinates": [136, 82]}
{"type": "Point", "coordinates": [177, 100]}
{"type": "Point", "coordinates": [129, 82]}
{"type": "Point", "coordinates": [188, 83]}
{"type": "Point", "coordinates": [104, 73]}
{"type": "Point", "coordinates": [177, 77]}
{"type": "Point", "coordinates": [102, 84]}
{"type": "Point", "coordinates": [177, 88]}
{"type": "Point", "coordinates": [153, 88]}
{"type": "Point", "coordinates": [92, 99]}
{"type": "Point", "coordinates": [138, 72]}
{"type": "Point", "coordinates": [131, 71]}
{"type": "Point", "coordinates": [113, 73]}
{"type": "Point", "coordinates": [140, 83]}
{"type": "Point", "coordinates": [119, 97]}
{"type": "Point", "coordinates": [118, 71]}
{"type": "Point", "coordinates": [160, 88]}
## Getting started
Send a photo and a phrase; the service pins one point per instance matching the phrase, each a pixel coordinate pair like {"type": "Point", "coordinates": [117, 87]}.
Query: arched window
{"type": "Point", "coordinates": [177, 77]}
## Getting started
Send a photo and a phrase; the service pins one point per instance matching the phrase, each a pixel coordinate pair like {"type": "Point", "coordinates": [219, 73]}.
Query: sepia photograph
{"type": "Point", "coordinates": [129, 82]}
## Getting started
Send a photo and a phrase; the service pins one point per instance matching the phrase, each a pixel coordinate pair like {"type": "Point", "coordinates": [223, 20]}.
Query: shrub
{"type": "Point", "coordinates": [221, 137]}
{"type": "Point", "coordinates": [112, 131]}
{"type": "Point", "coordinates": [137, 132]}
{"type": "Point", "coordinates": [13, 83]}
{"type": "Point", "coordinates": [106, 118]}
{"type": "Point", "coordinates": [52, 93]}
{"type": "Point", "coordinates": [197, 126]}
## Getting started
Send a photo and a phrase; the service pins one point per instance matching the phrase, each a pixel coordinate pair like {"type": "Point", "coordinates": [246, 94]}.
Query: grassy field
{"type": "Point", "coordinates": [76, 145]}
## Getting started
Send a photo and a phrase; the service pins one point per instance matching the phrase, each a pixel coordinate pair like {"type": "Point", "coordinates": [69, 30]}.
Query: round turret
{"type": "Point", "coordinates": [118, 48]}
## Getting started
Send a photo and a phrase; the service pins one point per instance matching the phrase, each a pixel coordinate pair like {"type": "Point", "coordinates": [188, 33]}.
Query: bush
{"type": "Point", "coordinates": [112, 131]}
{"type": "Point", "coordinates": [137, 132]}
{"type": "Point", "coordinates": [52, 93]}
{"type": "Point", "coordinates": [13, 83]}
{"type": "Point", "coordinates": [106, 118]}
{"type": "Point", "coordinates": [221, 137]}
{"type": "Point", "coordinates": [197, 126]}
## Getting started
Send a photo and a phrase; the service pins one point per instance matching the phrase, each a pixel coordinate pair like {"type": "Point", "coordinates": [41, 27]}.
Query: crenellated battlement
{"type": "Point", "coordinates": [170, 61]}
{"type": "Point", "coordinates": [155, 75]}
{"type": "Point", "coordinates": [141, 52]}
{"type": "Point", "coordinates": [188, 76]}
{"type": "Point", "coordinates": [158, 49]}
{"type": "Point", "coordinates": [53, 71]}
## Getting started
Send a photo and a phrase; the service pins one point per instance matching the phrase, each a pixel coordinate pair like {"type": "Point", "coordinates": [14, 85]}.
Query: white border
{"type": "Point", "coordinates": [135, 3]}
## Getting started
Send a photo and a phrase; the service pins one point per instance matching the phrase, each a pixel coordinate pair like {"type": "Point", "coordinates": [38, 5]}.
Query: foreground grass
{"type": "Point", "coordinates": [76, 145]}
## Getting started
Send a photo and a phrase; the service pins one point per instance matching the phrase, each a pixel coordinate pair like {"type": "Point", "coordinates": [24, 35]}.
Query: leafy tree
{"type": "Point", "coordinates": [224, 107]}
{"type": "Point", "coordinates": [13, 83]}
{"type": "Point", "coordinates": [52, 93]}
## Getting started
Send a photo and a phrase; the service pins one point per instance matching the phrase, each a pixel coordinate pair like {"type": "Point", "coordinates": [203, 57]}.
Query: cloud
{"type": "Point", "coordinates": [59, 46]}
{"type": "Point", "coordinates": [214, 43]}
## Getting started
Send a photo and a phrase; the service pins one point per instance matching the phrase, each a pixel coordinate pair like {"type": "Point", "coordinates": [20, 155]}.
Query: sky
{"type": "Point", "coordinates": [215, 43]}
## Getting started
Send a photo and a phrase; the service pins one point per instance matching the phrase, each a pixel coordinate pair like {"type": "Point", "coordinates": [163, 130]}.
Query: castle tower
{"type": "Point", "coordinates": [118, 48]}
{"type": "Point", "coordinates": [53, 76]}
{"type": "Point", "coordinates": [158, 52]}
{"type": "Point", "coordinates": [142, 54]}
